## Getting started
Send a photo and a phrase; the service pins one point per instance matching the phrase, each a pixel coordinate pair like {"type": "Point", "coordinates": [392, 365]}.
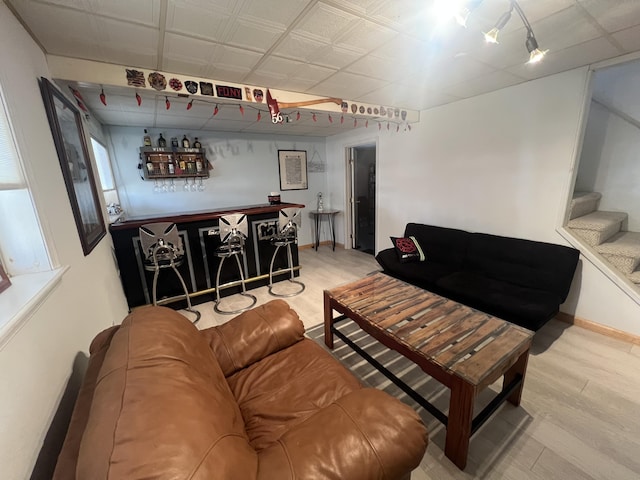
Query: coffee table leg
{"type": "Point", "coordinates": [459, 422]}
{"type": "Point", "coordinates": [518, 368]}
{"type": "Point", "coordinates": [328, 321]}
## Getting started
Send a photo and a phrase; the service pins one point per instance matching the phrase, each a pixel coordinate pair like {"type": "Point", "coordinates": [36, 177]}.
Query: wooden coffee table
{"type": "Point", "coordinates": [464, 349]}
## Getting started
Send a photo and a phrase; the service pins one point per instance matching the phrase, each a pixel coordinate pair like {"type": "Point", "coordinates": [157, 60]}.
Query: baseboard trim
{"type": "Point", "coordinates": [598, 328]}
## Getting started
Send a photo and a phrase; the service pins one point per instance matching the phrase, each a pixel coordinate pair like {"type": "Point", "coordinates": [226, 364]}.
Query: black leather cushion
{"type": "Point", "coordinates": [441, 245]}
{"type": "Point", "coordinates": [526, 263]}
{"type": "Point", "coordinates": [527, 307]}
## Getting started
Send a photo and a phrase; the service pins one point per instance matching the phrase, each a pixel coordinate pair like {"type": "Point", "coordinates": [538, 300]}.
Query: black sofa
{"type": "Point", "coordinates": [521, 281]}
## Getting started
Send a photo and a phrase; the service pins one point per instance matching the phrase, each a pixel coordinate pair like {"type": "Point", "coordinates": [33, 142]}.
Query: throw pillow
{"type": "Point", "coordinates": [407, 249]}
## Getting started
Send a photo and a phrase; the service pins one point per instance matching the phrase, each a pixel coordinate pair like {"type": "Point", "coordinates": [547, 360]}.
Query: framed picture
{"type": "Point", "coordinates": [68, 136]}
{"type": "Point", "coordinates": [4, 279]}
{"type": "Point", "coordinates": [293, 169]}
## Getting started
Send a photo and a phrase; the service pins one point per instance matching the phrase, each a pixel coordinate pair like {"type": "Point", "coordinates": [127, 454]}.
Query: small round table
{"type": "Point", "coordinates": [317, 217]}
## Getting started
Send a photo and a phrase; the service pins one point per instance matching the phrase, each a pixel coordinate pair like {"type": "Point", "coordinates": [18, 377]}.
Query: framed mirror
{"type": "Point", "coordinates": [69, 138]}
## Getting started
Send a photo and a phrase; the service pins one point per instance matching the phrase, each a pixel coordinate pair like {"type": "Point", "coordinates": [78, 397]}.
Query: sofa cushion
{"type": "Point", "coordinates": [527, 263]}
{"type": "Point", "coordinates": [284, 389]}
{"type": "Point", "coordinates": [254, 334]}
{"type": "Point", "coordinates": [527, 307]}
{"type": "Point", "coordinates": [439, 244]}
{"type": "Point", "coordinates": [423, 274]}
{"type": "Point", "coordinates": [161, 407]}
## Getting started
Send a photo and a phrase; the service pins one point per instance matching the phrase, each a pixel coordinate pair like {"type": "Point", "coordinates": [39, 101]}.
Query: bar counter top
{"type": "Point", "coordinates": [136, 222]}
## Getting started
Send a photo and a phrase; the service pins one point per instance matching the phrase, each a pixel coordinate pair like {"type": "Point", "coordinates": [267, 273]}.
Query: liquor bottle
{"type": "Point", "coordinates": [162, 143]}
{"type": "Point", "coordinates": [147, 139]}
{"type": "Point", "coordinates": [185, 142]}
{"type": "Point", "coordinates": [198, 166]}
{"type": "Point", "coordinates": [191, 167]}
{"type": "Point", "coordinates": [197, 144]}
{"type": "Point", "coordinates": [172, 166]}
{"type": "Point", "coordinates": [182, 164]}
{"type": "Point", "coordinates": [174, 142]}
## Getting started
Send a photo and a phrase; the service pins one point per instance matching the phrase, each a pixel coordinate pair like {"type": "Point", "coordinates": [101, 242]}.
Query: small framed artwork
{"type": "Point", "coordinates": [4, 279]}
{"type": "Point", "coordinates": [293, 169]}
{"type": "Point", "coordinates": [71, 146]}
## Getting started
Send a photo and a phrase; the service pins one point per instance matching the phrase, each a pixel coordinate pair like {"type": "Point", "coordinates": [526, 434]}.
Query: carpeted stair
{"type": "Point", "coordinates": [606, 233]}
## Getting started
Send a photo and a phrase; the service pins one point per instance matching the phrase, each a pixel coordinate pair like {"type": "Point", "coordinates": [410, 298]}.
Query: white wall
{"type": "Point", "coordinates": [36, 364]}
{"type": "Point", "coordinates": [498, 163]}
{"type": "Point", "coordinates": [245, 170]}
{"type": "Point", "coordinates": [609, 162]}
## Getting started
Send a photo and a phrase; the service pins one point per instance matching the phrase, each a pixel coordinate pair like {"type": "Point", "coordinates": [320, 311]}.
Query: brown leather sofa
{"type": "Point", "coordinates": [250, 399]}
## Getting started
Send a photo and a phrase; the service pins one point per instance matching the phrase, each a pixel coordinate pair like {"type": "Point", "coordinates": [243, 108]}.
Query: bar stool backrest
{"type": "Point", "coordinates": [233, 228]}
{"type": "Point", "coordinates": [161, 243]}
{"type": "Point", "coordinates": [289, 221]}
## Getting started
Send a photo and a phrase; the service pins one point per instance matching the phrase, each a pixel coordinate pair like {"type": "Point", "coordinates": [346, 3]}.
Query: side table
{"type": "Point", "coordinates": [317, 217]}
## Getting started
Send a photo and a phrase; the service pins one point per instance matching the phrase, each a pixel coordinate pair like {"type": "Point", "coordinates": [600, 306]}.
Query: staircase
{"type": "Point", "coordinates": [606, 233]}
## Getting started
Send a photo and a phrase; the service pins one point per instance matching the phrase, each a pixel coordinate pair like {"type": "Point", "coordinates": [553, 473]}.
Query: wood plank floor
{"type": "Point", "coordinates": [580, 411]}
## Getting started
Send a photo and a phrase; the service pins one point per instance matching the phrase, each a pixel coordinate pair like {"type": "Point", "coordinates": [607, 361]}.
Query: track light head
{"type": "Point", "coordinates": [535, 54]}
{"type": "Point", "coordinates": [492, 35]}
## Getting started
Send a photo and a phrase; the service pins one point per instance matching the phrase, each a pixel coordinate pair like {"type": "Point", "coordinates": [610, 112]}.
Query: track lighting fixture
{"type": "Point", "coordinates": [492, 35]}
{"type": "Point", "coordinates": [535, 54]}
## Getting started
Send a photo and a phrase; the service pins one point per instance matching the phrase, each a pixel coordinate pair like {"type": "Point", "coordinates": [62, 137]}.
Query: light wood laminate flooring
{"type": "Point", "coordinates": [580, 412]}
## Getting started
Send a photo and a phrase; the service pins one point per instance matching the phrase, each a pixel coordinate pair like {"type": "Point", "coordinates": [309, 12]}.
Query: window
{"type": "Point", "coordinates": [23, 252]}
{"type": "Point", "coordinates": [111, 199]}
{"type": "Point", "coordinates": [22, 248]}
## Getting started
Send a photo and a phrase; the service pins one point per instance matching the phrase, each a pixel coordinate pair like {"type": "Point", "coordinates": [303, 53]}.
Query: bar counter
{"type": "Point", "coordinates": [199, 232]}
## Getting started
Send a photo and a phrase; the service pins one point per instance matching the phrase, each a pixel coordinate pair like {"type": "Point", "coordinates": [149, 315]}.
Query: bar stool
{"type": "Point", "coordinates": [162, 247]}
{"type": "Point", "coordinates": [233, 231]}
{"type": "Point", "coordinates": [289, 221]}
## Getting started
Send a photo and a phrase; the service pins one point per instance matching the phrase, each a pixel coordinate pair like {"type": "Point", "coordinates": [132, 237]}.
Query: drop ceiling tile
{"type": "Point", "coordinates": [313, 73]}
{"type": "Point", "coordinates": [568, 58]}
{"type": "Point", "coordinates": [252, 35]}
{"type": "Point", "coordinates": [400, 13]}
{"type": "Point", "coordinates": [401, 96]}
{"type": "Point", "coordinates": [299, 47]}
{"type": "Point", "coordinates": [535, 10]}
{"type": "Point", "coordinates": [629, 38]}
{"type": "Point", "coordinates": [333, 57]}
{"type": "Point", "coordinates": [613, 15]}
{"type": "Point", "coordinates": [192, 50]}
{"type": "Point", "coordinates": [365, 36]}
{"type": "Point", "coordinates": [209, 23]}
{"type": "Point", "coordinates": [484, 83]}
{"type": "Point", "coordinates": [326, 23]}
{"type": "Point", "coordinates": [376, 67]}
{"type": "Point", "coordinates": [276, 12]}
{"type": "Point", "coordinates": [564, 29]}
{"type": "Point", "coordinates": [455, 71]}
{"type": "Point", "coordinates": [348, 85]}
{"type": "Point", "coordinates": [278, 66]}
{"type": "Point", "coordinates": [405, 51]}
{"type": "Point", "coordinates": [122, 42]}
{"type": "Point", "coordinates": [141, 11]}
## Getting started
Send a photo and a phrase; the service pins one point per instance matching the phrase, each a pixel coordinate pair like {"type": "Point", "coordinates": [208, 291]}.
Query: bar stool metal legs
{"type": "Point", "coordinates": [288, 223]}
{"type": "Point", "coordinates": [233, 231]}
{"type": "Point", "coordinates": [162, 248]}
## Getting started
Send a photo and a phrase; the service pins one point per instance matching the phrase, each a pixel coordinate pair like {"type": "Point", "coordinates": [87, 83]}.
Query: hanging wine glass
{"type": "Point", "coordinates": [194, 187]}
{"type": "Point", "coordinates": [165, 187]}
{"type": "Point", "coordinates": [172, 186]}
{"type": "Point", "coordinates": [156, 187]}
{"type": "Point", "coordinates": [200, 185]}
{"type": "Point", "coordinates": [186, 185]}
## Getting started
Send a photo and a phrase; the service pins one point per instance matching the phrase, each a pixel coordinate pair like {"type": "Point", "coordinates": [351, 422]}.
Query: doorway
{"type": "Point", "coordinates": [362, 169]}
